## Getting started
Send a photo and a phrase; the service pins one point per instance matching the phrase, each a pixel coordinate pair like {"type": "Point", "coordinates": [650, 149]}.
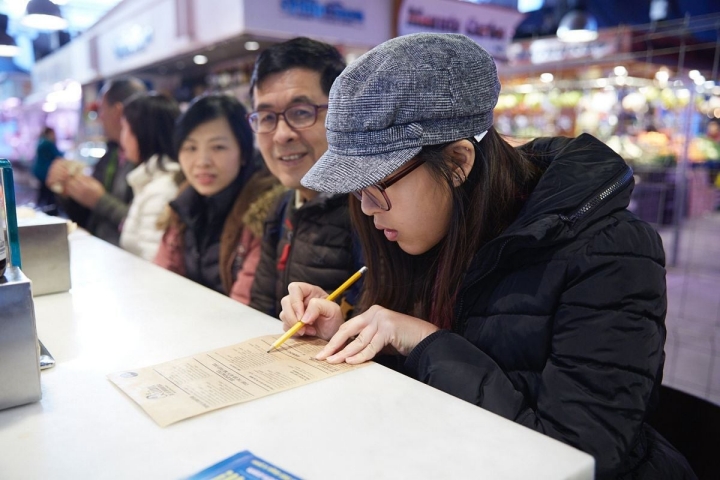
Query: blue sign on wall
{"type": "Point", "coordinates": [331, 11]}
{"type": "Point", "coordinates": [134, 40]}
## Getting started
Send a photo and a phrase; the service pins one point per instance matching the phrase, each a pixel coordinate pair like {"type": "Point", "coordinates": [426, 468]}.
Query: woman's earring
{"type": "Point", "coordinates": [457, 180]}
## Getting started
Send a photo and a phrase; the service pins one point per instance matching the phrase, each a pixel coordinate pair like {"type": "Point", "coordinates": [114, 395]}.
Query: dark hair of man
{"type": "Point", "coordinates": [299, 52]}
{"type": "Point", "coordinates": [120, 90]}
{"type": "Point", "coordinates": [47, 131]}
{"type": "Point", "coordinates": [486, 203]}
{"type": "Point", "coordinates": [152, 120]}
{"type": "Point", "coordinates": [207, 108]}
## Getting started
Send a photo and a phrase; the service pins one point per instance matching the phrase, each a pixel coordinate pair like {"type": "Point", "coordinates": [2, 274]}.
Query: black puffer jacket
{"type": "Point", "coordinates": [560, 321]}
{"type": "Point", "coordinates": [312, 244]}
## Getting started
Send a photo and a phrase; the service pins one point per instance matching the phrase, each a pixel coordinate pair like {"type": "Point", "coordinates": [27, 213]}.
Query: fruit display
{"type": "Point", "coordinates": [641, 120]}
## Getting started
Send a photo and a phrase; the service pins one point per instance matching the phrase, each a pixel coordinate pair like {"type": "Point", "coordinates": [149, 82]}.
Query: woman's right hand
{"type": "Point", "coordinates": [306, 303]}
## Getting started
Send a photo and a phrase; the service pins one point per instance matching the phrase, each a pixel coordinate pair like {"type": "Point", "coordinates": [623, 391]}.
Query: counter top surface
{"type": "Point", "coordinates": [123, 313]}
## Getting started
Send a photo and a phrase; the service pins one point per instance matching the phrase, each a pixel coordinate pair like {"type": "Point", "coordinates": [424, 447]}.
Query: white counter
{"type": "Point", "coordinates": [371, 423]}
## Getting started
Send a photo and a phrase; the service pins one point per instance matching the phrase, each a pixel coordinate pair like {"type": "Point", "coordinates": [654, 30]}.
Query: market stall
{"type": "Point", "coordinates": [656, 117]}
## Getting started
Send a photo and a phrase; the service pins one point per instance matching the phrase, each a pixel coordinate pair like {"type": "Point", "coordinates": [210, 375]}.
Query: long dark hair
{"type": "Point", "coordinates": [152, 120]}
{"type": "Point", "coordinates": [483, 206]}
{"type": "Point", "coordinates": [207, 108]}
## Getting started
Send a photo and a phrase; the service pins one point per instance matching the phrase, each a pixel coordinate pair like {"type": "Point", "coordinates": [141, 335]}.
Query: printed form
{"type": "Point", "coordinates": [183, 388]}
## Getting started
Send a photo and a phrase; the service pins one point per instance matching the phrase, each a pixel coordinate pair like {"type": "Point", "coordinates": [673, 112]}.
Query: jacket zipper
{"type": "Point", "coordinates": [572, 219]}
{"type": "Point", "coordinates": [287, 262]}
{"type": "Point", "coordinates": [598, 199]}
{"type": "Point", "coordinates": [458, 314]}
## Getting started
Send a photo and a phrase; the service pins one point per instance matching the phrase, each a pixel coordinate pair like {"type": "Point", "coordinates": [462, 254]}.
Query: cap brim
{"type": "Point", "coordinates": [336, 173]}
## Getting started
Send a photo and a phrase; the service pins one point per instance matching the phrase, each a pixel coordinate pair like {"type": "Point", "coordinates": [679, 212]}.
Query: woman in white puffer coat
{"type": "Point", "coordinates": [146, 138]}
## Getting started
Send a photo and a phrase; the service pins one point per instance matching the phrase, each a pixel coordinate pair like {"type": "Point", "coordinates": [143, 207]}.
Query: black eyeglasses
{"type": "Point", "coordinates": [297, 117]}
{"type": "Point", "coordinates": [376, 193]}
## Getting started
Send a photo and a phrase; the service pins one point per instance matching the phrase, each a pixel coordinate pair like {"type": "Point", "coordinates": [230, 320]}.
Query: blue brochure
{"type": "Point", "coordinates": [243, 466]}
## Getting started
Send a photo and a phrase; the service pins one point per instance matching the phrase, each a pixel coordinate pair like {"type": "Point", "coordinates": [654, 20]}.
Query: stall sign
{"type": "Point", "coordinates": [347, 22]}
{"type": "Point", "coordinates": [140, 36]}
{"type": "Point", "coordinates": [327, 12]}
{"type": "Point", "coordinates": [72, 61]}
{"type": "Point", "coordinates": [553, 50]}
{"type": "Point", "coordinates": [133, 40]}
{"type": "Point", "coordinates": [491, 26]}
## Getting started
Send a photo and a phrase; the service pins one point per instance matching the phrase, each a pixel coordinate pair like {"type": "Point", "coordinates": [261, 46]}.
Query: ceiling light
{"type": "Point", "coordinates": [577, 26]}
{"type": "Point", "coordinates": [8, 47]}
{"type": "Point", "coordinates": [546, 77]}
{"type": "Point", "coordinates": [200, 59]}
{"type": "Point", "coordinates": [620, 71]}
{"type": "Point", "coordinates": [43, 15]}
{"type": "Point", "coordinates": [658, 10]}
{"type": "Point", "coordinates": [252, 46]}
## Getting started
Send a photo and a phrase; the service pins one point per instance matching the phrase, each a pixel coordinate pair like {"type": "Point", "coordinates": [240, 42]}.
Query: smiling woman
{"type": "Point", "coordinates": [215, 224]}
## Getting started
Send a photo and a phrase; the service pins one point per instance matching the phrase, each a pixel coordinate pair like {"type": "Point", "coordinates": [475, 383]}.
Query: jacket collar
{"type": "Point", "coordinates": [322, 201]}
{"type": "Point", "coordinates": [583, 180]}
{"type": "Point", "coordinates": [190, 205]}
{"type": "Point", "coordinates": [577, 172]}
{"type": "Point", "coordinates": [149, 170]}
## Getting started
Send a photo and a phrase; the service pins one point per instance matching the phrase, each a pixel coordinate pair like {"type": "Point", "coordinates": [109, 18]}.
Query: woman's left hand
{"type": "Point", "coordinates": [375, 330]}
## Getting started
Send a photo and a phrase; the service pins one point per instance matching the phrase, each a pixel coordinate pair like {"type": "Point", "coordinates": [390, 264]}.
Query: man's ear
{"type": "Point", "coordinates": [462, 155]}
{"type": "Point", "coordinates": [117, 109]}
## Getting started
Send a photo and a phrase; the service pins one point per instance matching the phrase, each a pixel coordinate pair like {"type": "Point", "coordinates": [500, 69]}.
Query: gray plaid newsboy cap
{"type": "Point", "coordinates": [411, 91]}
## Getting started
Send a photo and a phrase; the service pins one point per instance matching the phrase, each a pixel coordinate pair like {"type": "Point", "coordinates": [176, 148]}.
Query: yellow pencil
{"type": "Point", "coordinates": [295, 328]}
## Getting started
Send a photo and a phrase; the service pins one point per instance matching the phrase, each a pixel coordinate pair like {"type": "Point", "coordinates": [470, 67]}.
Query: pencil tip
{"type": "Point", "coordinates": [269, 350]}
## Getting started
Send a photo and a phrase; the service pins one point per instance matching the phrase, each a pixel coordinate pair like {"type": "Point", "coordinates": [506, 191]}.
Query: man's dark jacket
{"type": "Point", "coordinates": [560, 321]}
{"type": "Point", "coordinates": [312, 244]}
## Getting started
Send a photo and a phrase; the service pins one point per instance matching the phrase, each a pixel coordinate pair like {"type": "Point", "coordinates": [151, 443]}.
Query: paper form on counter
{"type": "Point", "coordinates": [183, 388]}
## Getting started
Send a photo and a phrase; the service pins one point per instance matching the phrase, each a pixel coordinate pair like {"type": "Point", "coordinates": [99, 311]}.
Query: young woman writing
{"type": "Point", "coordinates": [515, 279]}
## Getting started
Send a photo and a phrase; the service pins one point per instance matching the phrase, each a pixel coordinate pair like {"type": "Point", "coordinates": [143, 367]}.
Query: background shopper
{"type": "Point", "coordinates": [146, 138]}
{"type": "Point", "coordinates": [100, 202]}
{"type": "Point", "coordinates": [45, 154]}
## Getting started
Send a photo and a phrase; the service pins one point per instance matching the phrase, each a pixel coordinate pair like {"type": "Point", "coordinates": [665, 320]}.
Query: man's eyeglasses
{"type": "Point", "coordinates": [297, 117]}
{"type": "Point", "coordinates": [376, 193]}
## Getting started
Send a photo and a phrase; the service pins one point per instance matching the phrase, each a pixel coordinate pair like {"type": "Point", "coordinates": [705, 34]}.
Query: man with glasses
{"type": "Point", "coordinates": [308, 236]}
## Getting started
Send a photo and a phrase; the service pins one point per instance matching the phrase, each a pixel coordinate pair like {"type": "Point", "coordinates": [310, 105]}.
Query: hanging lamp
{"type": "Point", "coordinates": [577, 25]}
{"type": "Point", "coordinates": [43, 15]}
{"type": "Point", "coordinates": [8, 47]}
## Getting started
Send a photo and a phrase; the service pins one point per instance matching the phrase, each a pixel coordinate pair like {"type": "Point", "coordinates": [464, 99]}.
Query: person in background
{"type": "Point", "coordinates": [146, 138]}
{"type": "Point", "coordinates": [307, 236]}
{"type": "Point", "coordinates": [45, 154]}
{"type": "Point", "coordinates": [713, 130]}
{"type": "Point", "coordinates": [514, 279]}
{"type": "Point", "coordinates": [100, 202]}
{"type": "Point", "coordinates": [214, 227]}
